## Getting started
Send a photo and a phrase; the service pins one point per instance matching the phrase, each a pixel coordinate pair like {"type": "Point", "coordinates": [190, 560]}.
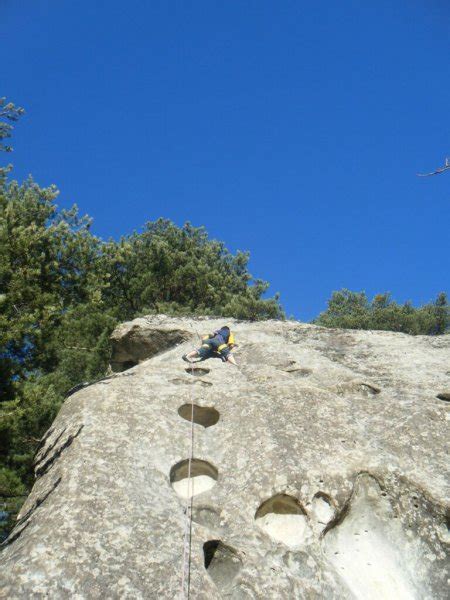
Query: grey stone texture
{"type": "Point", "coordinates": [321, 473]}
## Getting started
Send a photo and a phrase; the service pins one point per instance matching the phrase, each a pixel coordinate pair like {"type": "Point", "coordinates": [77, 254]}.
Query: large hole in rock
{"type": "Point", "coordinates": [222, 563]}
{"type": "Point", "coordinates": [197, 371]}
{"type": "Point", "coordinates": [207, 416]}
{"type": "Point", "coordinates": [444, 396]}
{"type": "Point", "coordinates": [283, 518]}
{"type": "Point", "coordinates": [203, 477]}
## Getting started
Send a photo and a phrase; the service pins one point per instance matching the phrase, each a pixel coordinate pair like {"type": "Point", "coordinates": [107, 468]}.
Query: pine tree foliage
{"type": "Point", "coordinates": [9, 114]}
{"type": "Point", "coordinates": [353, 310]}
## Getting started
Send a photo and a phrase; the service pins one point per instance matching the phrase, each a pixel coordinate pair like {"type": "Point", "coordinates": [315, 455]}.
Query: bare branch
{"type": "Point", "coordinates": [446, 167]}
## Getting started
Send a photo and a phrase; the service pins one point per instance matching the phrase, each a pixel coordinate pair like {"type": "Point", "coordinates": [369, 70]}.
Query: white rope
{"type": "Point", "coordinates": [186, 573]}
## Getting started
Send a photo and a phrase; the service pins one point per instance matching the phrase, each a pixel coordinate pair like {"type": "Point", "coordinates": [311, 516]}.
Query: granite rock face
{"type": "Point", "coordinates": [142, 338]}
{"type": "Point", "coordinates": [320, 471]}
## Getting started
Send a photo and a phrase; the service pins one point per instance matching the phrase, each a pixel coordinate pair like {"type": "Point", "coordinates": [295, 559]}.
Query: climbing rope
{"type": "Point", "coordinates": [186, 570]}
{"type": "Point", "coordinates": [186, 573]}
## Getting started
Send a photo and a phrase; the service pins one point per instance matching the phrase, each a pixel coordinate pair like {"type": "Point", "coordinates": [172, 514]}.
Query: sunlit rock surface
{"type": "Point", "coordinates": [320, 471]}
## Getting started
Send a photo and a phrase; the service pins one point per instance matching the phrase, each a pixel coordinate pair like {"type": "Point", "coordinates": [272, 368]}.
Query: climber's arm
{"type": "Point", "coordinates": [225, 352]}
{"type": "Point", "coordinates": [231, 359]}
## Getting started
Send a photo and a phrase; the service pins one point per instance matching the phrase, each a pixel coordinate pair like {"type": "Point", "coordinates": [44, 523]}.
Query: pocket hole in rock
{"type": "Point", "coordinates": [206, 416]}
{"type": "Point", "coordinates": [322, 508]}
{"type": "Point", "coordinates": [197, 371]}
{"type": "Point", "coordinates": [298, 371]}
{"type": "Point", "coordinates": [203, 477]}
{"type": "Point", "coordinates": [370, 388]}
{"type": "Point", "coordinates": [200, 382]}
{"type": "Point", "coordinates": [444, 396]}
{"type": "Point", "coordinates": [206, 516]}
{"type": "Point", "coordinates": [356, 386]}
{"type": "Point", "coordinates": [222, 564]}
{"type": "Point", "coordinates": [284, 519]}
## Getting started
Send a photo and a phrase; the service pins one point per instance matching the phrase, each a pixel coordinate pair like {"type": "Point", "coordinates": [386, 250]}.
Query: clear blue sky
{"type": "Point", "coordinates": [292, 129]}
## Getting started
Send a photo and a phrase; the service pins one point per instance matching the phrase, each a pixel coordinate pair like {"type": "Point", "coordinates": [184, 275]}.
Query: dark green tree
{"type": "Point", "coordinates": [353, 310]}
{"type": "Point", "coordinates": [182, 271]}
{"type": "Point", "coordinates": [9, 114]}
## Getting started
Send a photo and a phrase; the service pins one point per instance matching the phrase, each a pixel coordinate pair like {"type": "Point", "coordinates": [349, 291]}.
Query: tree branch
{"type": "Point", "coordinates": [446, 167]}
{"type": "Point", "coordinates": [78, 348]}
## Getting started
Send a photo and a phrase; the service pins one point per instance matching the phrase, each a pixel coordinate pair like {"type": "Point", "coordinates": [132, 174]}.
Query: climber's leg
{"type": "Point", "coordinates": [203, 353]}
{"type": "Point", "coordinates": [191, 355]}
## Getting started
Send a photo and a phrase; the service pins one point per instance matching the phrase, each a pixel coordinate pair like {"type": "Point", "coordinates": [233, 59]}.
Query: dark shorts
{"type": "Point", "coordinates": [210, 348]}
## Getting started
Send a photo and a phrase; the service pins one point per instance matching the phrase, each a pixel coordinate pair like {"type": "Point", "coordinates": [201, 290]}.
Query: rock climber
{"type": "Point", "coordinates": [220, 343]}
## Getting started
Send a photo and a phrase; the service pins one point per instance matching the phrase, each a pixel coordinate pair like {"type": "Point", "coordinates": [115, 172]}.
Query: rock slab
{"type": "Point", "coordinates": [320, 470]}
